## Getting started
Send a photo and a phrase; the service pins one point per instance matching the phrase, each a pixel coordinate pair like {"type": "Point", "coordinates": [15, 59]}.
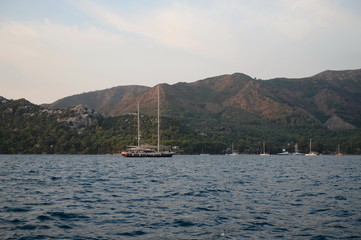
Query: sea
{"type": "Point", "coordinates": [183, 197]}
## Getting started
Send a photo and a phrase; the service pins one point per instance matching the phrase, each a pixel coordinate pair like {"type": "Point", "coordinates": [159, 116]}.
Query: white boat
{"type": "Point", "coordinates": [297, 153]}
{"type": "Point", "coordinates": [141, 151]}
{"type": "Point", "coordinates": [284, 152]}
{"type": "Point", "coordinates": [338, 152]}
{"type": "Point", "coordinates": [311, 153]}
{"type": "Point", "coordinates": [263, 153]}
{"type": "Point", "coordinates": [234, 152]}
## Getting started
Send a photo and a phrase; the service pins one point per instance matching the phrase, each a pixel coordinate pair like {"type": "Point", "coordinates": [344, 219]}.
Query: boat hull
{"type": "Point", "coordinates": [311, 154]}
{"type": "Point", "coordinates": [146, 155]}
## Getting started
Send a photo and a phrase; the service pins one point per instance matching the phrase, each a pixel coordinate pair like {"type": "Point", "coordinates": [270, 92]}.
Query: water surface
{"type": "Point", "coordinates": [184, 197]}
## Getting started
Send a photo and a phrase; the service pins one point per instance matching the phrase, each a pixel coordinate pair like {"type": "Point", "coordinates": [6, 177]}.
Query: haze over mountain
{"type": "Point", "coordinates": [331, 98]}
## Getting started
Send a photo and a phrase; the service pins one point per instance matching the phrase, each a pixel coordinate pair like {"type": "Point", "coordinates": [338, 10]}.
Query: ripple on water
{"type": "Point", "coordinates": [136, 233]}
{"type": "Point", "coordinates": [185, 197]}
{"type": "Point", "coordinates": [67, 215]}
{"type": "Point", "coordinates": [17, 209]}
{"type": "Point", "coordinates": [183, 223]}
{"type": "Point", "coordinates": [44, 218]}
{"type": "Point", "coordinates": [317, 211]}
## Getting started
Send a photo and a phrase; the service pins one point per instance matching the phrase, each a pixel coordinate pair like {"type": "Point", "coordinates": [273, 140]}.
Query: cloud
{"type": "Point", "coordinates": [181, 26]}
{"type": "Point", "coordinates": [171, 41]}
{"type": "Point", "coordinates": [46, 56]}
{"type": "Point", "coordinates": [228, 29]}
{"type": "Point", "coordinates": [43, 61]}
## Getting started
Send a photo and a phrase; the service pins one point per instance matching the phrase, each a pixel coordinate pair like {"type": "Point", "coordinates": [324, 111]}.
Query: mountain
{"type": "Point", "coordinates": [208, 115]}
{"type": "Point", "coordinates": [29, 128]}
{"type": "Point", "coordinates": [103, 101]}
{"type": "Point", "coordinates": [330, 98]}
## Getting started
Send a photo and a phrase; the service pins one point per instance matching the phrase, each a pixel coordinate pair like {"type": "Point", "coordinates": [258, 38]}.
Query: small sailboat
{"type": "Point", "coordinates": [311, 153]}
{"type": "Point", "coordinates": [297, 153]}
{"type": "Point", "coordinates": [233, 152]}
{"type": "Point", "coordinates": [139, 151]}
{"type": "Point", "coordinates": [263, 153]}
{"type": "Point", "coordinates": [338, 152]}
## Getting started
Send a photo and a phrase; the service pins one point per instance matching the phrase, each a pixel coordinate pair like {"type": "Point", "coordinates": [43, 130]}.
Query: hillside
{"type": "Point", "coordinates": [208, 115]}
{"type": "Point", "coordinates": [331, 99]}
{"type": "Point", "coordinates": [29, 128]}
{"type": "Point", "coordinates": [103, 101]}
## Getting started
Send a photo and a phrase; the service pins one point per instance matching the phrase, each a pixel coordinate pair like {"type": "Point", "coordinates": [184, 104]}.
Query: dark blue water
{"type": "Point", "coordinates": [184, 197]}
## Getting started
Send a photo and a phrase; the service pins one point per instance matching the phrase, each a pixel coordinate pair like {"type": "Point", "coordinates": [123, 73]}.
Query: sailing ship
{"type": "Point", "coordinates": [147, 151]}
{"type": "Point", "coordinates": [311, 153]}
{"type": "Point", "coordinates": [263, 153]}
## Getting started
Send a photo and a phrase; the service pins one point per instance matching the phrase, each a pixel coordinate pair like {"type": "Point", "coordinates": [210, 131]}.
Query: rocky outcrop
{"type": "Point", "coordinates": [79, 117]}
{"type": "Point", "coordinates": [336, 123]}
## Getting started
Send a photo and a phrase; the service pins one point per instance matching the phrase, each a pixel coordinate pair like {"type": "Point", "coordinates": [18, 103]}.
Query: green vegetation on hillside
{"type": "Point", "coordinates": [28, 128]}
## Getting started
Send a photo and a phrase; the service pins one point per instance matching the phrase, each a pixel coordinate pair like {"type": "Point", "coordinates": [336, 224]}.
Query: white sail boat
{"type": "Point", "coordinates": [139, 151]}
{"type": "Point", "coordinates": [311, 153]}
{"type": "Point", "coordinates": [338, 153]}
{"type": "Point", "coordinates": [233, 152]}
{"type": "Point", "coordinates": [297, 153]}
{"type": "Point", "coordinates": [264, 150]}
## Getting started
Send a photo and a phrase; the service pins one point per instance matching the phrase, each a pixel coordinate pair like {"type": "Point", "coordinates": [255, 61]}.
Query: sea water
{"type": "Point", "coordinates": [184, 197]}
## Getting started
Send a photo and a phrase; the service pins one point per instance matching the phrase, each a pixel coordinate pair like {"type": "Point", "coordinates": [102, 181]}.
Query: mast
{"type": "Point", "coordinates": [158, 121]}
{"type": "Point", "coordinates": [264, 147]}
{"type": "Point", "coordinates": [310, 144]}
{"type": "Point", "coordinates": [138, 125]}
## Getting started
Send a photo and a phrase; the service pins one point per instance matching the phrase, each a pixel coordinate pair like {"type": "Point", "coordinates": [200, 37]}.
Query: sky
{"type": "Point", "coordinates": [50, 49]}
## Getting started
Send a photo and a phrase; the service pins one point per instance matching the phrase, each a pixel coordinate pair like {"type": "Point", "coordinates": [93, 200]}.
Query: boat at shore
{"type": "Point", "coordinates": [310, 154]}
{"type": "Point", "coordinates": [263, 153]}
{"type": "Point", "coordinates": [233, 152]}
{"type": "Point", "coordinates": [283, 153]}
{"type": "Point", "coordinates": [297, 153]}
{"type": "Point", "coordinates": [338, 152]}
{"type": "Point", "coordinates": [147, 151]}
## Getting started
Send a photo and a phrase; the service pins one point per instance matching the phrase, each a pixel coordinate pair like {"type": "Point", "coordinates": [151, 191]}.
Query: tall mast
{"type": "Point", "coordinates": [158, 121]}
{"type": "Point", "coordinates": [138, 125]}
{"type": "Point", "coordinates": [310, 145]}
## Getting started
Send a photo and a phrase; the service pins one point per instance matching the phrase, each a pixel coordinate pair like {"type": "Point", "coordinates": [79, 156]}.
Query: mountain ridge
{"type": "Point", "coordinates": [234, 96]}
{"type": "Point", "coordinates": [212, 114]}
{"type": "Point", "coordinates": [101, 100]}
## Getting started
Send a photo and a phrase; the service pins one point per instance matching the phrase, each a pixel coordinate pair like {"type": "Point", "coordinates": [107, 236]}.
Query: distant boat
{"type": "Point", "coordinates": [138, 151]}
{"type": "Point", "coordinates": [284, 152]}
{"type": "Point", "coordinates": [338, 152]}
{"type": "Point", "coordinates": [263, 153]}
{"type": "Point", "coordinates": [233, 152]}
{"type": "Point", "coordinates": [296, 153]}
{"type": "Point", "coordinates": [311, 153]}
{"type": "Point", "coordinates": [135, 151]}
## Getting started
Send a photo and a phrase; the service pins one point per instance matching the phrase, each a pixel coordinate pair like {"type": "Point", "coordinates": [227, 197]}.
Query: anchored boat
{"type": "Point", "coordinates": [141, 151]}
{"type": "Point", "coordinates": [311, 153]}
